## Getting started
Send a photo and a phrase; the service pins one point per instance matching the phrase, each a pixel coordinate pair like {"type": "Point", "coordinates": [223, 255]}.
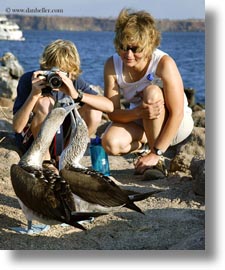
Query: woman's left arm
{"type": "Point", "coordinates": [173, 90]}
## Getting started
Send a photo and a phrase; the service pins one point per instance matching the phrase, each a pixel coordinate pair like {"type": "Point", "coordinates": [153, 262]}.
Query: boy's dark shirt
{"type": "Point", "coordinates": [24, 88]}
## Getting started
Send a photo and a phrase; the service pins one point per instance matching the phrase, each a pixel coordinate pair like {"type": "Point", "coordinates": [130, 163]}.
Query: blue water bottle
{"type": "Point", "coordinates": [99, 157]}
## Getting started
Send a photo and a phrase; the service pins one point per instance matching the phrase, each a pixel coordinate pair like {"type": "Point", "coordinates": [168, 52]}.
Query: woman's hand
{"type": "Point", "coordinates": [145, 162]}
{"type": "Point", "coordinates": [151, 110]}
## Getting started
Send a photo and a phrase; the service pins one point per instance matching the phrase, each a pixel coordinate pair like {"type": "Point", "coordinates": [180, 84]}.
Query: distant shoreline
{"type": "Point", "coordinates": [99, 24]}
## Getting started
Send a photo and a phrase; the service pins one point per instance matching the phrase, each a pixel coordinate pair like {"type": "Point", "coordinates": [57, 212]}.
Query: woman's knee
{"type": "Point", "coordinates": [152, 93]}
{"type": "Point", "coordinates": [111, 144]}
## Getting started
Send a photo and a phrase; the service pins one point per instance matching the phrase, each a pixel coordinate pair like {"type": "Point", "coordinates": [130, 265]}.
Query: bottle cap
{"type": "Point", "coordinates": [96, 140]}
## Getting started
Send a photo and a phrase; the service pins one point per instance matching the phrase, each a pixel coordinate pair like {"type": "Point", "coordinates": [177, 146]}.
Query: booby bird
{"type": "Point", "coordinates": [42, 194]}
{"type": "Point", "coordinates": [92, 190]}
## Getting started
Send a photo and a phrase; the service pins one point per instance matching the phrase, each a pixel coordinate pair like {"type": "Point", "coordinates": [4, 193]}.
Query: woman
{"type": "Point", "coordinates": [35, 98]}
{"type": "Point", "coordinates": [149, 80]}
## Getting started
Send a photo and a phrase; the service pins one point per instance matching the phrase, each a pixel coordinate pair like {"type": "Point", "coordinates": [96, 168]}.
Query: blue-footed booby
{"type": "Point", "coordinates": [92, 190]}
{"type": "Point", "coordinates": [43, 195]}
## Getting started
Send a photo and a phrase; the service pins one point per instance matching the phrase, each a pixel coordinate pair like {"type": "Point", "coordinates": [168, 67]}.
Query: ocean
{"type": "Point", "coordinates": [187, 49]}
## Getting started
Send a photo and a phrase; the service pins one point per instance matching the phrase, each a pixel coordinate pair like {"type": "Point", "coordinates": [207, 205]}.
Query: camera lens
{"type": "Point", "coordinates": [54, 81]}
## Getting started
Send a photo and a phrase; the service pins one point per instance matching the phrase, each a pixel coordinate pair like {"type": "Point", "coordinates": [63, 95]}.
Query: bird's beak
{"type": "Point", "coordinates": [69, 108]}
{"type": "Point", "coordinates": [67, 103]}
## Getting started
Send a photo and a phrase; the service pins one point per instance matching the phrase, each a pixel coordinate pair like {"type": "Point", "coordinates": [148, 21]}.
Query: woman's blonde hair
{"type": "Point", "coordinates": [62, 54]}
{"type": "Point", "coordinates": [137, 28]}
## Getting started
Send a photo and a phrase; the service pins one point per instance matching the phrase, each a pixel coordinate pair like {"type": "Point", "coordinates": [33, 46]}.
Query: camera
{"type": "Point", "coordinates": [52, 78]}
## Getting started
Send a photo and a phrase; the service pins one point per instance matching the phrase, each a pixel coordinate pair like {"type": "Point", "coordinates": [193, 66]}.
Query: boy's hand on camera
{"type": "Point", "coordinates": [67, 86]}
{"type": "Point", "coordinates": [38, 83]}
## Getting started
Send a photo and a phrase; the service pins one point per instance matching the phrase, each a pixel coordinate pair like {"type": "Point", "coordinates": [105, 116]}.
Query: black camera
{"type": "Point", "coordinates": [52, 78]}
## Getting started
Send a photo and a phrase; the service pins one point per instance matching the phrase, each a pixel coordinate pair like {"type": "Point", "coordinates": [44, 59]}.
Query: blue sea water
{"type": "Point", "coordinates": [187, 49]}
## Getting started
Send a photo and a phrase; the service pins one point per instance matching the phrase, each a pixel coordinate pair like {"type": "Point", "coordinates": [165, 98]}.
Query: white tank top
{"type": "Point", "coordinates": [130, 90]}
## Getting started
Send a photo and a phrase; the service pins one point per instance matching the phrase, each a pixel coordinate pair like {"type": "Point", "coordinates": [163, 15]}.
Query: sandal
{"type": "Point", "coordinates": [50, 165]}
{"type": "Point", "coordinates": [158, 171]}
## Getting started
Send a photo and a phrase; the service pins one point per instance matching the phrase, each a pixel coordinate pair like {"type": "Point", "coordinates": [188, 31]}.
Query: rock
{"type": "Point", "coordinates": [10, 61]}
{"type": "Point", "coordinates": [7, 141]}
{"type": "Point", "coordinates": [194, 146]}
{"type": "Point", "coordinates": [199, 118]}
{"type": "Point", "coordinates": [10, 72]}
{"type": "Point", "coordinates": [5, 125]}
{"type": "Point", "coordinates": [193, 242]}
{"type": "Point", "coordinates": [6, 103]}
{"type": "Point", "coordinates": [190, 94]}
{"type": "Point", "coordinates": [197, 168]}
{"type": "Point", "coordinates": [5, 119]}
{"type": "Point", "coordinates": [9, 154]}
{"type": "Point", "coordinates": [198, 107]}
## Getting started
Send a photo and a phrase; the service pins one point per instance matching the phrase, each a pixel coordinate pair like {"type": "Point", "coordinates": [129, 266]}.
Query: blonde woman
{"type": "Point", "coordinates": [35, 98]}
{"type": "Point", "coordinates": [150, 81]}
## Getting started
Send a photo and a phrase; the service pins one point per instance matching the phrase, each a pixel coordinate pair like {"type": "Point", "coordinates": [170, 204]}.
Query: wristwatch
{"type": "Point", "coordinates": [80, 96]}
{"type": "Point", "coordinates": [158, 152]}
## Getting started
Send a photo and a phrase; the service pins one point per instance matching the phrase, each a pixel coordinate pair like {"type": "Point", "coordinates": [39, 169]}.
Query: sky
{"type": "Point", "coordinates": [160, 9]}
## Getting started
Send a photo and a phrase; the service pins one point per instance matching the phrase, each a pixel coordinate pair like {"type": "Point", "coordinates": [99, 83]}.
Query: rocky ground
{"type": "Point", "coordinates": [174, 218]}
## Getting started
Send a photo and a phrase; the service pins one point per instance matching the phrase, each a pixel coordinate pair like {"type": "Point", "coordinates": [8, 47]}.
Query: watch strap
{"type": "Point", "coordinates": [80, 96]}
{"type": "Point", "coordinates": [158, 152]}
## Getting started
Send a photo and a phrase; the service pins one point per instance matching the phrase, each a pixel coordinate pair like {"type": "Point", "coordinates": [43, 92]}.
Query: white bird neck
{"type": "Point", "coordinates": [77, 146]}
{"type": "Point", "coordinates": [35, 154]}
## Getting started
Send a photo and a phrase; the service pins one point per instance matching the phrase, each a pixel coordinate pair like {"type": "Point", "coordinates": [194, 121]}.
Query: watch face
{"type": "Point", "coordinates": [158, 152]}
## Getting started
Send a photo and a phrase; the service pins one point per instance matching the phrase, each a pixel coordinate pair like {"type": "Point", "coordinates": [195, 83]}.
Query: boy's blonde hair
{"type": "Point", "coordinates": [136, 28]}
{"type": "Point", "coordinates": [62, 54]}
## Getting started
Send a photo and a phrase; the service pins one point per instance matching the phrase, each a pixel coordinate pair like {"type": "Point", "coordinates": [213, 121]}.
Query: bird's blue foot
{"type": "Point", "coordinates": [34, 229]}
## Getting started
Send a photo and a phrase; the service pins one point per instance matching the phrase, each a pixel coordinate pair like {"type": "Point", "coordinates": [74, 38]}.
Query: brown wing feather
{"type": "Point", "coordinates": [48, 196]}
{"type": "Point", "coordinates": [94, 187]}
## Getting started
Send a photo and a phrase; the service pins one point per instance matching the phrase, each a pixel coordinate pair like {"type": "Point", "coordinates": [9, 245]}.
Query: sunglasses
{"type": "Point", "coordinates": [134, 49]}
